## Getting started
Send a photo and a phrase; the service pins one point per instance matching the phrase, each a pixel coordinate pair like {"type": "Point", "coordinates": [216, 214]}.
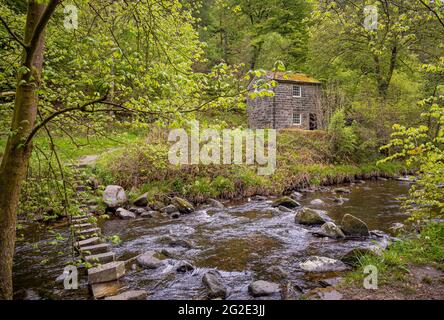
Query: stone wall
{"type": "Point", "coordinates": [260, 110]}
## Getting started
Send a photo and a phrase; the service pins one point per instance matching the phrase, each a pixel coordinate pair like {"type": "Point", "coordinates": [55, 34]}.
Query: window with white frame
{"type": "Point", "coordinates": [297, 118]}
{"type": "Point", "coordinates": [297, 91]}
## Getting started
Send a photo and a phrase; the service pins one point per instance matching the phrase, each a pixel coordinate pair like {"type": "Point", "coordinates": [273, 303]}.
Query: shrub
{"type": "Point", "coordinates": [343, 141]}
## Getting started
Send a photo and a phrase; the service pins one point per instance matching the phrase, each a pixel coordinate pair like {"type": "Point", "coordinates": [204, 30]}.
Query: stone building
{"type": "Point", "coordinates": [295, 104]}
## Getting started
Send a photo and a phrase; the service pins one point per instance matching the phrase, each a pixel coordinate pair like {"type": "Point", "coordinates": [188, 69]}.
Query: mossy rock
{"type": "Point", "coordinates": [286, 202]}
{"type": "Point", "coordinates": [311, 217]}
{"type": "Point", "coordinates": [183, 205]}
{"type": "Point", "coordinates": [353, 226]}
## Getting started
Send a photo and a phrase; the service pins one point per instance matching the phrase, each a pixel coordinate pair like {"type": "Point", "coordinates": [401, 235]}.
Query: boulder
{"type": "Point", "coordinates": [331, 230]}
{"type": "Point", "coordinates": [285, 202]}
{"type": "Point", "coordinates": [214, 284]}
{"type": "Point", "coordinates": [352, 226]}
{"type": "Point", "coordinates": [296, 195]}
{"type": "Point", "coordinates": [114, 196]}
{"type": "Point", "coordinates": [215, 204]}
{"type": "Point", "coordinates": [317, 202]}
{"type": "Point", "coordinates": [184, 266]}
{"type": "Point", "coordinates": [183, 205]}
{"type": "Point", "coordinates": [341, 190]}
{"type": "Point", "coordinates": [141, 201]}
{"type": "Point", "coordinates": [311, 217]}
{"type": "Point", "coordinates": [169, 209]}
{"type": "Point", "coordinates": [175, 215]}
{"type": "Point", "coordinates": [148, 214]}
{"type": "Point", "coordinates": [130, 295]}
{"type": "Point", "coordinates": [125, 214]}
{"type": "Point", "coordinates": [353, 256]}
{"type": "Point", "coordinates": [147, 260]}
{"type": "Point", "coordinates": [262, 288]}
{"type": "Point", "coordinates": [322, 264]}
{"type": "Point", "coordinates": [157, 205]}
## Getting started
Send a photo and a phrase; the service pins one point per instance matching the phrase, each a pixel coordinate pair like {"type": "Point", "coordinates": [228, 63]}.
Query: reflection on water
{"type": "Point", "coordinates": [245, 242]}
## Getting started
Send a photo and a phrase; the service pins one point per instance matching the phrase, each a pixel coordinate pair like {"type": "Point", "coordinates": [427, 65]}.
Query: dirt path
{"type": "Point", "coordinates": [423, 283]}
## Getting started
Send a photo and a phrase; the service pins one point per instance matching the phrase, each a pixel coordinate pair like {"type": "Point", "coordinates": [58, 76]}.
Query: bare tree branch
{"type": "Point", "coordinates": [12, 33]}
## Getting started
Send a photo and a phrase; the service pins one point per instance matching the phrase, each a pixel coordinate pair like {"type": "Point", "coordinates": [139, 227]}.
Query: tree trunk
{"type": "Point", "coordinates": [16, 156]}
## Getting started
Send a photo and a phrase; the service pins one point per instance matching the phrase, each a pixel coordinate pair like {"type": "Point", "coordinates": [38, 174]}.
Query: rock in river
{"type": "Point", "coordinates": [114, 196]}
{"type": "Point", "coordinates": [262, 288]}
{"type": "Point", "coordinates": [214, 284]}
{"type": "Point", "coordinates": [183, 205]}
{"type": "Point", "coordinates": [322, 264]}
{"type": "Point", "coordinates": [125, 214]}
{"type": "Point", "coordinates": [353, 226]}
{"type": "Point", "coordinates": [148, 260]}
{"type": "Point", "coordinates": [285, 202]}
{"type": "Point", "coordinates": [184, 266]}
{"type": "Point", "coordinates": [317, 202]}
{"type": "Point", "coordinates": [169, 209]}
{"type": "Point", "coordinates": [141, 201]}
{"type": "Point", "coordinates": [311, 217]}
{"type": "Point", "coordinates": [216, 204]}
{"type": "Point", "coordinates": [331, 230]}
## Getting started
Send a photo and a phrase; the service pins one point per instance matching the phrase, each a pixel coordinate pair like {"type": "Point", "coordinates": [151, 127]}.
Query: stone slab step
{"type": "Point", "coordinates": [95, 249]}
{"type": "Point", "coordinates": [106, 272]}
{"type": "Point", "coordinates": [105, 289]}
{"type": "Point", "coordinates": [101, 258]}
{"type": "Point", "coordinates": [87, 242]}
{"type": "Point", "coordinates": [89, 232]}
{"type": "Point", "coordinates": [84, 226]}
{"type": "Point", "coordinates": [130, 295]}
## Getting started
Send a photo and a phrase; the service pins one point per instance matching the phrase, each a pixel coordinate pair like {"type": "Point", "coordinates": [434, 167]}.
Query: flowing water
{"type": "Point", "coordinates": [246, 241]}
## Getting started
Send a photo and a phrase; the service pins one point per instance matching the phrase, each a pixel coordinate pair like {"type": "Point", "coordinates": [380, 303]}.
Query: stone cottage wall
{"type": "Point", "coordinates": [260, 110]}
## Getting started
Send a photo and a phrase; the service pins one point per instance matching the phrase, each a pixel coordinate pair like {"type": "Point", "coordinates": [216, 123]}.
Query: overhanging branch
{"type": "Point", "coordinates": [12, 33]}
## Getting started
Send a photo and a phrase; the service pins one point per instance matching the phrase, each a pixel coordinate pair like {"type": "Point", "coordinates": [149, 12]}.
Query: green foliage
{"type": "Point", "coordinates": [343, 141]}
{"type": "Point", "coordinates": [422, 148]}
{"type": "Point", "coordinates": [424, 248]}
{"type": "Point", "coordinates": [254, 34]}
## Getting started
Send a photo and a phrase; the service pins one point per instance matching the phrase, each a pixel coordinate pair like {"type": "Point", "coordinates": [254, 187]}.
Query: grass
{"type": "Point", "coordinates": [302, 159]}
{"type": "Point", "coordinates": [84, 145]}
{"type": "Point", "coordinates": [425, 248]}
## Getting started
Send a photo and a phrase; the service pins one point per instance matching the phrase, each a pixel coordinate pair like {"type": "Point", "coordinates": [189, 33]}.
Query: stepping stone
{"type": "Point", "coordinates": [96, 249]}
{"type": "Point", "coordinates": [89, 232]}
{"type": "Point", "coordinates": [87, 242]}
{"type": "Point", "coordinates": [129, 295]}
{"type": "Point", "coordinates": [84, 225]}
{"type": "Point", "coordinates": [101, 258]}
{"type": "Point", "coordinates": [105, 289]}
{"type": "Point", "coordinates": [106, 272]}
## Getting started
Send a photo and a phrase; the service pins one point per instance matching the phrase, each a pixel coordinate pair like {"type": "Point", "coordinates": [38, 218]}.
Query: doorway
{"type": "Point", "coordinates": [313, 124]}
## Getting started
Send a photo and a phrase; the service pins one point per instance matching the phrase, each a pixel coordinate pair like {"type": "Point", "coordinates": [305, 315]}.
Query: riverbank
{"type": "Point", "coordinates": [410, 269]}
{"type": "Point", "coordinates": [303, 160]}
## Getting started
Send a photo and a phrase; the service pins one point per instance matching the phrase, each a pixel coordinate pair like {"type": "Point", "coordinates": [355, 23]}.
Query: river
{"type": "Point", "coordinates": [246, 241]}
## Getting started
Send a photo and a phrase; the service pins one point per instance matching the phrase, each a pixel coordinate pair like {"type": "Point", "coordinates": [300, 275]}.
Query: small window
{"type": "Point", "coordinates": [297, 118]}
{"type": "Point", "coordinates": [297, 91]}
